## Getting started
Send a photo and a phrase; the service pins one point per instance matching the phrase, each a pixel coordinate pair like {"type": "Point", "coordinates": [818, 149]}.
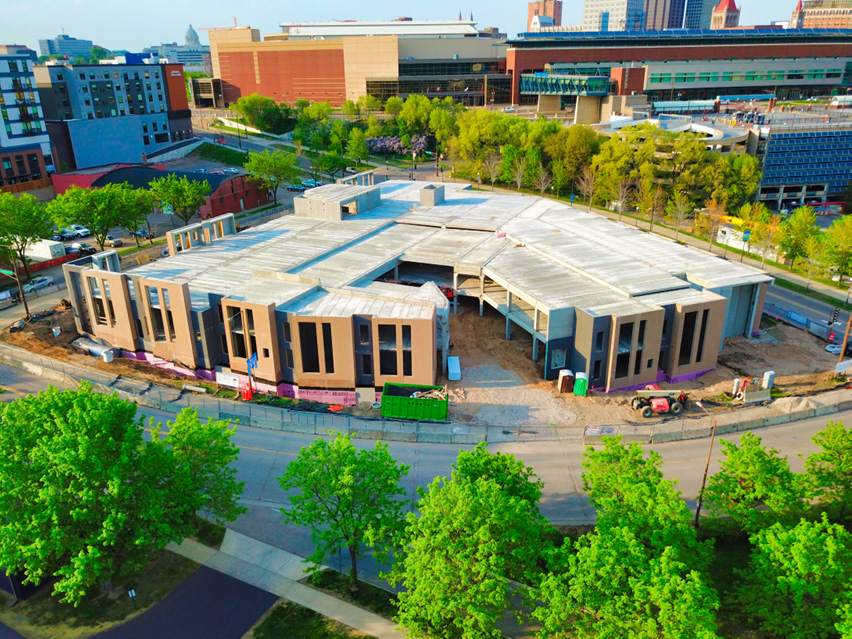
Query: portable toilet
{"type": "Point", "coordinates": [769, 380]}
{"type": "Point", "coordinates": [581, 384]}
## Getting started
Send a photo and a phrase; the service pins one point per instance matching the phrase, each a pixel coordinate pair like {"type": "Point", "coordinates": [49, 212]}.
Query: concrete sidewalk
{"type": "Point", "coordinates": [278, 571]}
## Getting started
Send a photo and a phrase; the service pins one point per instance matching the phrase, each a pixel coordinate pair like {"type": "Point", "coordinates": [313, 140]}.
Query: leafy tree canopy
{"type": "Point", "coordinates": [183, 195]}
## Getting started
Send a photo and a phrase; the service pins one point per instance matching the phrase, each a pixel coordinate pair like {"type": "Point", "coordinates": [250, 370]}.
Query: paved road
{"type": "Point", "coordinates": [8, 633]}
{"type": "Point", "coordinates": [208, 604]}
{"type": "Point", "coordinates": [264, 455]}
{"type": "Point", "coordinates": [809, 307]}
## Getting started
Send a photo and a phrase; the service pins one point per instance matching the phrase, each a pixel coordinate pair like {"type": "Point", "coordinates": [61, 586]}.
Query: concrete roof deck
{"type": "Point", "coordinates": [554, 255]}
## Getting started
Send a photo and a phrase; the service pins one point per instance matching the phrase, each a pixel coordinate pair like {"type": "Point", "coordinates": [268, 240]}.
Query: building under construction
{"type": "Point", "coordinates": [352, 291]}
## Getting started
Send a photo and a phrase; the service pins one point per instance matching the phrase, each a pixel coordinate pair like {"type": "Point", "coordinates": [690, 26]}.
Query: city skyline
{"type": "Point", "coordinates": [106, 23]}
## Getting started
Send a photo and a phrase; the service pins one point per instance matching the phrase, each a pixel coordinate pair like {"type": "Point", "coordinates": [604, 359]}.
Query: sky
{"type": "Point", "coordinates": [134, 24]}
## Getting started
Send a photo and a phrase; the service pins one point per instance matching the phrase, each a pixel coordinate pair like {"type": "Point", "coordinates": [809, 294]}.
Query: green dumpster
{"type": "Point", "coordinates": [581, 384]}
{"type": "Point", "coordinates": [398, 403]}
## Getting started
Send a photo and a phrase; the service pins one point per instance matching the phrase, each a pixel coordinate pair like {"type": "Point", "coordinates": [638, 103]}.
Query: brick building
{"type": "Point", "coordinates": [548, 8]}
{"type": "Point", "coordinates": [822, 14]}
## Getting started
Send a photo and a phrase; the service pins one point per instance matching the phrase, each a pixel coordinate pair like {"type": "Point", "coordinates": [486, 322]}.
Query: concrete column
{"type": "Point", "coordinates": [535, 320]}
{"type": "Point", "coordinates": [588, 110]}
{"type": "Point", "coordinates": [549, 103]}
{"type": "Point", "coordinates": [535, 349]}
{"type": "Point", "coordinates": [456, 293]}
{"type": "Point", "coordinates": [508, 310]}
{"type": "Point", "coordinates": [396, 272]}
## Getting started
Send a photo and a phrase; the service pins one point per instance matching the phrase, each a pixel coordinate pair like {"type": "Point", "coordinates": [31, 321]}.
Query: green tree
{"type": "Point", "coordinates": [767, 228]}
{"type": "Point", "coordinates": [641, 573]}
{"type": "Point", "coordinates": [798, 579]}
{"type": "Point", "coordinates": [23, 222]}
{"type": "Point", "coordinates": [814, 257]}
{"type": "Point", "coordinates": [331, 163]}
{"type": "Point", "coordinates": [352, 110]}
{"type": "Point", "coordinates": [588, 183]}
{"type": "Point", "coordinates": [259, 111]}
{"type": "Point", "coordinates": [679, 208]}
{"type": "Point", "coordinates": [710, 221]}
{"type": "Point", "coordinates": [357, 146]}
{"type": "Point", "coordinates": [415, 113]}
{"type": "Point", "coordinates": [85, 498]}
{"type": "Point", "coordinates": [344, 494]}
{"type": "Point", "coordinates": [470, 539]}
{"type": "Point", "coordinates": [829, 471]}
{"type": "Point", "coordinates": [754, 485]}
{"type": "Point", "coordinates": [393, 106]}
{"type": "Point", "coordinates": [613, 585]}
{"type": "Point", "coordinates": [512, 475]}
{"type": "Point", "coordinates": [204, 456]}
{"type": "Point", "coordinates": [491, 165]}
{"type": "Point", "coordinates": [271, 169]}
{"type": "Point", "coordinates": [183, 195]}
{"type": "Point", "coordinates": [103, 209]}
{"type": "Point", "coordinates": [369, 104]}
{"type": "Point", "coordinates": [839, 240]}
{"type": "Point", "coordinates": [795, 232]}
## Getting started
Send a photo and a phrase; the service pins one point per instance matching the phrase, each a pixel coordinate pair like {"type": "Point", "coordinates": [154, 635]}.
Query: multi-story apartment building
{"type": "Point", "coordinates": [108, 113]}
{"type": "Point", "coordinates": [613, 15]}
{"type": "Point", "coordinates": [25, 152]}
{"type": "Point", "coordinates": [66, 45]}
{"type": "Point", "coordinates": [822, 14]}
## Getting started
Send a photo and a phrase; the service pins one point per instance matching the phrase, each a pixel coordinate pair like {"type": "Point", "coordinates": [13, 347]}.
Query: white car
{"type": "Point", "coordinates": [38, 283]}
{"type": "Point", "coordinates": [509, 109]}
{"type": "Point", "coordinates": [78, 230]}
{"type": "Point", "coordinates": [231, 170]}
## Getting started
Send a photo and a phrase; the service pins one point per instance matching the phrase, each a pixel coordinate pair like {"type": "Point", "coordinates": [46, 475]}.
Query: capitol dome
{"type": "Point", "coordinates": [192, 38]}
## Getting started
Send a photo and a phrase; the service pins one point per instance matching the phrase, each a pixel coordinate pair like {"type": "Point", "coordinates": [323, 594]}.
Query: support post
{"type": "Point", "coordinates": [535, 349]}
{"type": "Point", "coordinates": [704, 479]}
{"type": "Point", "coordinates": [455, 293]}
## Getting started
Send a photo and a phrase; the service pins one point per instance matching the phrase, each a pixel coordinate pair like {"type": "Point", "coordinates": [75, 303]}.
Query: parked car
{"type": "Point", "coordinates": [201, 170]}
{"type": "Point", "coordinates": [62, 235]}
{"type": "Point", "coordinates": [112, 240]}
{"type": "Point", "coordinates": [297, 188]}
{"type": "Point", "coordinates": [78, 230]}
{"type": "Point", "coordinates": [232, 170]}
{"type": "Point", "coordinates": [144, 234]}
{"type": "Point", "coordinates": [510, 109]}
{"type": "Point", "coordinates": [84, 249]}
{"type": "Point", "coordinates": [38, 283]}
{"type": "Point", "coordinates": [311, 183]}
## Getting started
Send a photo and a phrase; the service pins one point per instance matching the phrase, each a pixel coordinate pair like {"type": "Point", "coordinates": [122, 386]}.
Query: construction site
{"type": "Point", "coordinates": [368, 284]}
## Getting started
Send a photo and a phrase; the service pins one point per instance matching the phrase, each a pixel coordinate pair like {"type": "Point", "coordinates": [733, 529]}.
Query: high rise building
{"type": "Point", "coordinates": [822, 14]}
{"type": "Point", "coordinates": [545, 8]}
{"type": "Point", "coordinates": [25, 153]}
{"type": "Point", "coordinates": [664, 14]}
{"type": "Point", "coordinates": [614, 15]}
{"type": "Point", "coordinates": [725, 16]}
{"type": "Point", "coordinates": [699, 14]}
{"type": "Point", "coordinates": [65, 45]}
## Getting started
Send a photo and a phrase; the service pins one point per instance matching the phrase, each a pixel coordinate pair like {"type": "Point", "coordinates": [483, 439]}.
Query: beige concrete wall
{"type": "Point", "coordinates": [241, 35]}
{"type": "Point", "coordinates": [712, 336]}
{"type": "Point", "coordinates": [549, 103]}
{"type": "Point", "coordinates": [266, 338]}
{"type": "Point", "coordinates": [650, 349]}
{"type": "Point", "coordinates": [120, 327]}
{"type": "Point", "coordinates": [424, 361]}
{"type": "Point", "coordinates": [181, 349]}
{"type": "Point", "coordinates": [588, 110]}
{"type": "Point", "coordinates": [343, 338]}
{"type": "Point", "coordinates": [373, 57]}
{"type": "Point", "coordinates": [446, 48]}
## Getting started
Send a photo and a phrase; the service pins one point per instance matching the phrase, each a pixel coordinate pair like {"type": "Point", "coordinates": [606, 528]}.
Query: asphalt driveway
{"type": "Point", "coordinates": [208, 604]}
{"type": "Point", "coordinates": [7, 633]}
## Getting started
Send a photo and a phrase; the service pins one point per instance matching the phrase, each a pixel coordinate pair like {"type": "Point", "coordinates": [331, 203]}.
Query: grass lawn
{"type": "Point", "coordinates": [729, 556]}
{"type": "Point", "coordinates": [369, 597]}
{"type": "Point", "coordinates": [221, 154]}
{"type": "Point", "coordinates": [43, 617]}
{"type": "Point", "coordinates": [287, 619]}
{"type": "Point", "coordinates": [208, 533]}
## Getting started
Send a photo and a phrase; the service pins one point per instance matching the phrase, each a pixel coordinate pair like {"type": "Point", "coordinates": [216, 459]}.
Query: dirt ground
{"type": "Point", "coordinates": [37, 337]}
{"type": "Point", "coordinates": [501, 385]}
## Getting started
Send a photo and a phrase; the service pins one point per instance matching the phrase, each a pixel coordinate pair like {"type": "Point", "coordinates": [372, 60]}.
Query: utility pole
{"type": "Point", "coordinates": [704, 479]}
{"type": "Point", "coordinates": [845, 338]}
